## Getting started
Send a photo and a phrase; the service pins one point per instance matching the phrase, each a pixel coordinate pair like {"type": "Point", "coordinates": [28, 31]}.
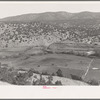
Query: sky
{"type": "Point", "coordinates": [17, 8]}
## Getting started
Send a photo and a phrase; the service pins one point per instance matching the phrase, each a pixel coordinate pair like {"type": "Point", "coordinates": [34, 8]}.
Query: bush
{"type": "Point", "coordinates": [49, 82]}
{"type": "Point", "coordinates": [40, 81]}
{"type": "Point", "coordinates": [45, 73]}
{"type": "Point", "coordinates": [35, 76]}
{"type": "Point", "coordinates": [36, 82]}
{"type": "Point", "coordinates": [97, 52]}
{"type": "Point", "coordinates": [75, 77]}
{"type": "Point", "coordinates": [30, 72]}
{"type": "Point", "coordinates": [93, 82]}
{"type": "Point", "coordinates": [58, 83]}
{"type": "Point", "coordinates": [11, 69]}
{"type": "Point", "coordinates": [8, 75]}
{"type": "Point", "coordinates": [38, 66]}
{"type": "Point", "coordinates": [59, 73]}
{"type": "Point", "coordinates": [66, 64]}
{"type": "Point", "coordinates": [3, 73]}
{"type": "Point", "coordinates": [21, 79]}
{"type": "Point", "coordinates": [10, 78]}
{"type": "Point", "coordinates": [37, 72]}
{"type": "Point", "coordinates": [53, 74]}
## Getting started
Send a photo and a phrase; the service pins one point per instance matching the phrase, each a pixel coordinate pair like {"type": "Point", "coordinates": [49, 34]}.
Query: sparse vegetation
{"type": "Point", "coordinates": [19, 77]}
{"type": "Point", "coordinates": [53, 74]}
{"type": "Point", "coordinates": [93, 82]}
{"type": "Point", "coordinates": [75, 77]}
{"type": "Point", "coordinates": [30, 72]}
{"type": "Point", "coordinates": [45, 73]}
{"type": "Point", "coordinates": [59, 73]}
{"type": "Point", "coordinates": [58, 83]}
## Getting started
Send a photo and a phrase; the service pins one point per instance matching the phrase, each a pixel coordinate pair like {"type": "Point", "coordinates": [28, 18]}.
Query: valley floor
{"type": "Point", "coordinates": [27, 57]}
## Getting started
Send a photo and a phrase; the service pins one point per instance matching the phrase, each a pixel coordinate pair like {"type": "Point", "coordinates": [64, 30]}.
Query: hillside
{"type": "Point", "coordinates": [49, 27]}
{"type": "Point", "coordinates": [52, 16]}
{"type": "Point", "coordinates": [64, 81]}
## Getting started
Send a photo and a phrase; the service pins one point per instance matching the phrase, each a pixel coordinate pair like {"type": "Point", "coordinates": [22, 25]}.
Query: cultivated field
{"type": "Point", "coordinates": [37, 58]}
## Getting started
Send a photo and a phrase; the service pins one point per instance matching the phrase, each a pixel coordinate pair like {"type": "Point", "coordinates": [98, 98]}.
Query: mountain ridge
{"type": "Point", "coordinates": [52, 16]}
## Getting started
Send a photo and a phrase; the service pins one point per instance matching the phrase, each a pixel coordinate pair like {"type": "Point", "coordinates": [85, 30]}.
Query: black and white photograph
{"type": "Point", "coordinates": [49, 44]}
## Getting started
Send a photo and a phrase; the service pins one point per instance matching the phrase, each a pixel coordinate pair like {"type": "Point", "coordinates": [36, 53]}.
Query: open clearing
{"type": "Point", "coordinates": [69, 64]}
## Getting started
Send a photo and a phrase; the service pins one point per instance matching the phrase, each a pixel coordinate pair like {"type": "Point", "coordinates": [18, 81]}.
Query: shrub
{"type": "Point", "coordinates": [75, 77]}
{"type": "Point", "coordinates": [45, 73]}
{"type": "Point", "coordinates": [21, 79]}
{"type": "Point", "coordinates": [11, 69]}
{"type": "Point", "coordinates": [66, 64]}
{"type": "Point", "coordinates": [38, 66]}
{"type": "Point", "coordinates": [49, 82]}
{"type": "Point", "coordinates": [10, 78]}
{"type": "Point", "coordinates": [37, 72]}
{"type": "Point", "coordinates": [97, 51]}
{"type": "Point", "coordinates": [8, 75]}
{"type": "Point", "coordinates": [40, 81]}
{"type": "Point", "coordinates": [93, 82]}
{"type": "Point", "coordinates": [3, 73]}
{"type": "Point", "coordinates": [58, 83]}
{"type": "Point", "coordinates": [36, 82]}
{"type": "Point", "coordinates": [59, 73]}
{"type": "Point", "coordinates": [53, 74]}
{"type": "Point", "coordinates": [35, 76]}
{"type": "Point", "coordinates": [52, 64]}
{"type": "Point", "coordinates": [30, 72]}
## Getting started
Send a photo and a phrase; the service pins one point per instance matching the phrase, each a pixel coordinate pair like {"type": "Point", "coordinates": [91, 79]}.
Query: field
{"type": "Point", "coordinates": [37, 58]}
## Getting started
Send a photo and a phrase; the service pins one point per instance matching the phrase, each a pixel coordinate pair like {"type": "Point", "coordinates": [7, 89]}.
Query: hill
{"type": "Point", "coordinates": [49, 27]}
{"type": "Point", "coordinates": [52, 16]}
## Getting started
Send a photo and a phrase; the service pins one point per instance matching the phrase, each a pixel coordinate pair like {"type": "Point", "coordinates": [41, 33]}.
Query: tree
{"type": "Point", "coordinates": [59, 73]}
{"type": "Point", "coordinates": [10, 78]}
{"type": "Point", "coordinates": [11, 69]}
{"type": "Point", "coordinates": [36, 82]}
{"type": "Point", "coordinates": [30, 72]}
{"type": "Point", "coordinates": [3, 73]}
{"type": "Point", "coordinates": [37, 72]}
{"type": "Point", "coordinates": [42, 81]}
{"type": "Point", "coordinates": [21, 79]}
{"type": "Point", "coordinates": [75, 77]}
{"type": "Point", "coordinates": [44, 73]}
{"type": "Point", "coordinates": [53, 74]}
{"type": "Point", "coordinates": [38, 66]}
{"type": "Point", "coordinates": [35, 76]}
{"type": "Point", "coordinates": [49, 82]}
{"type": "Point", "coordinates": [93, 82]}
{"type": "Point", "coordinates": [58, 83]}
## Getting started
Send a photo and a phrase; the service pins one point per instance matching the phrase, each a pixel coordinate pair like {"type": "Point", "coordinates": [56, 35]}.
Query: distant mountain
{"type": "Point", "coordinates": [52, 16]}
{"type": "Point", "coordinates": [47, 16]}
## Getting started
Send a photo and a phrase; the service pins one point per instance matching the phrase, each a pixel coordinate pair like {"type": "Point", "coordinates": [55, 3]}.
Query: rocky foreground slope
{"type": "Point", "coordinates": [64, 81]}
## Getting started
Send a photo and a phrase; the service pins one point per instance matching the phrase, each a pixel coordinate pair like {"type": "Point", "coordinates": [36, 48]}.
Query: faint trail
{"type": "Point", "coordinates": [88, 67]}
